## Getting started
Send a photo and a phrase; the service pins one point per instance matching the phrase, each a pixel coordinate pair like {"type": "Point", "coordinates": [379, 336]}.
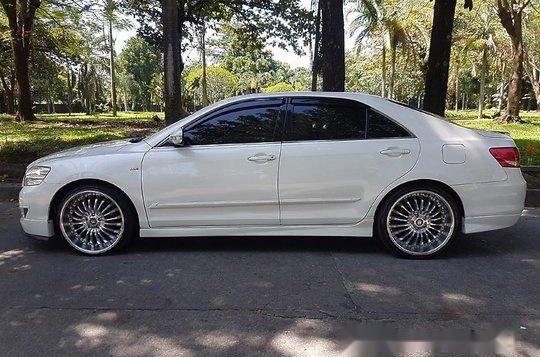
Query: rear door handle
{"type": "Point", "coordinates": [395, 152]}
{"type": "Point", "coordinates": [261, 158]}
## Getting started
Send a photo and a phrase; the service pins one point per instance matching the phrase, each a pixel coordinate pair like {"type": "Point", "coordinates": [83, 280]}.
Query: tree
{"type": "Point", "coordinates": [20, 15]}
{"type": "Point", "coordinates": [109, 10]}
{"type": "Point", "coordinates": [7, 70]}
{"type": "Point", "coordinates": [248, 60]}
{"type": "Point", "coordinates": [139, 61]}
{"type": "Point", "coordinates": [333, 45]}
{"type": "Point", "coordinates": [281, 23]}
{"type": "Point", "coordinates": [172, 19]}
{"type": "Point", "coordinates": [511, 16]}
{"type": "Point", "coordinates": [219, 81]}
{"type": "Point", "coordinates": [436, 84]}
{"type": "Point", "coordinates": [532, 53]}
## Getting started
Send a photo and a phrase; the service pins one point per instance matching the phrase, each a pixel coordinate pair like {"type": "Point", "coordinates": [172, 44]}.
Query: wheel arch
{"type": "Point", "coordinates": [63, 191]}
{"type": "Point", "coordinates": [420, 183]}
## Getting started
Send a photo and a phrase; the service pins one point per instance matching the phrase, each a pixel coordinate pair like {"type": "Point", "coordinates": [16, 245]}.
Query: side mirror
{"type": "Point", "coordinates": [177, 139]}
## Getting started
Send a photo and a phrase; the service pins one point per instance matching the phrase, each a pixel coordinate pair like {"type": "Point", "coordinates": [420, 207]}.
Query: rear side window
{"type": "Point", "coordinates": [380, 126]}
{"type": "Point", "coordinates": [325, 120]}
{"type": "Point", "coordinates": [247, 124]}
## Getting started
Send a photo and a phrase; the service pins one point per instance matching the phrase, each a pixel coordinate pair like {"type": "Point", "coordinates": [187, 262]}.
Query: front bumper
{"type": "Point", "coordinates": [34, 203]}
{"type": "Point", "coordinates": [39, 229]}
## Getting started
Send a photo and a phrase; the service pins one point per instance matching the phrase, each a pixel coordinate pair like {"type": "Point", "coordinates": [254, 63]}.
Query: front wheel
{"type": "Point", "coordinates": [95, 220]}
{"type": "Point", "coordinates": [418, 223]}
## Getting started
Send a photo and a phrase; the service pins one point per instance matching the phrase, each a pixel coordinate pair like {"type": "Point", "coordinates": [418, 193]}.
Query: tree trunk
{"type": "Point", "coordinates": [204, 85]}
{"type": "Point", "coordinates": [333, 46]}
{"type": "Point", "coordinates": [383, 71]}
{"type": "Point", "coordinates": [501, 89]}
{"type": "Point", "coordinates": [510, 15]}
{"type": "Point", "coordinates": [112, 69]}
{"type": "Point", "coordinates": [21, 19]}
{"type": "Point", "coordinates": [514, 88]}
{"type": "Point", "coordinates": [392, 69]}
{"type": "Point", "coordinates": [535, 81]}
{"type": "Point", "coordinates": [9, 92]}
{"type": "Point", "coordinates": [69, 91]}
{"type": "Point", "coordinates": [482, 95]}
{"type": "Point", "coordinates": [126, 106]}
{"type": "Point", "coordinates": [315, 65]}
{"type": "Point", "coordinates": [456, 74]}
{"type": "Point", "coordinates": [439, 56]}
{"type": "Point", "coordinates": [22, 73]}
{"type": "Point", "coordinates": [172, 13]}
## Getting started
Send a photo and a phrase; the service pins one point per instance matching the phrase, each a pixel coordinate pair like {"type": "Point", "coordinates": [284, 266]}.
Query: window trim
{"type": "Point", "coordinates": [240, 105]}
{"type": "Point", "coordinates": [290, 105]}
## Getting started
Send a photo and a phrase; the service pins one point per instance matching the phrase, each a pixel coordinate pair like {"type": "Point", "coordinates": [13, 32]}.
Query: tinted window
{"type": "Point", "coordinates": [326, 121]}
{"type": "Point", "coordinates": [379, 126]}
{"type": "Point", "coordinates": [252, 124]}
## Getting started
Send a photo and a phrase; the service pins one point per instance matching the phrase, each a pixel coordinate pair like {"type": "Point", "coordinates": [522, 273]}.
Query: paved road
{"type": "Point", "coordinates": [268, 296]}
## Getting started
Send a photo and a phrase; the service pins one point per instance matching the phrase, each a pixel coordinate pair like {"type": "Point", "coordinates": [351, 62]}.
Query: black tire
{"type": "Point", "coordinates": [418, 222]}
{"type": "Point", "coordinates": [65, 213]}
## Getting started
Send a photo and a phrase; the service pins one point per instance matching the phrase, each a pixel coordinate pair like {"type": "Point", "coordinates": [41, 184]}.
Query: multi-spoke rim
{"type": "Point", "coordinates": [420, 222]}
{"type": "Point", "coordinates": [91, 221]}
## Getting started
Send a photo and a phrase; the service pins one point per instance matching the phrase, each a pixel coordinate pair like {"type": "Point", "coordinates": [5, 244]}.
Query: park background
{"type": "Point", "coordinates": [95, 69]}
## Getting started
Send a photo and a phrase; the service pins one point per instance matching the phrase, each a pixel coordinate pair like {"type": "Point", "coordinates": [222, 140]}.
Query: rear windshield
{"type": "Point", "coordinates": [418, 110]}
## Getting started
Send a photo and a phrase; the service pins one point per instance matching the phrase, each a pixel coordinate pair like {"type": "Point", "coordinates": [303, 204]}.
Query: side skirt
{"type": "Point", "coordinates": [362, 229]}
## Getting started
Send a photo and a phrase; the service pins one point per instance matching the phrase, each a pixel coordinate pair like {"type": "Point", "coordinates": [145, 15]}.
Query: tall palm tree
{"type": "Point", "coordinates": [373, 19]}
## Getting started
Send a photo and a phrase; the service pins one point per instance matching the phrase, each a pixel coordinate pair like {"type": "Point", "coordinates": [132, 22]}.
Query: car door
{"type": "Point", "coordinates": [337, 156]}
{"type": "Point", "coordinates": [224, 175]}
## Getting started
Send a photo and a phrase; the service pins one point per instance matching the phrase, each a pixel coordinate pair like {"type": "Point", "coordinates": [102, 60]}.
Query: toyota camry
{"type": "Point", "coordinates": [295, 164]}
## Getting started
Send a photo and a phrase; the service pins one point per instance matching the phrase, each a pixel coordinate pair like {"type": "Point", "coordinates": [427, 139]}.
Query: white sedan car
{"type": "Point", "coordinates": [311, 164]}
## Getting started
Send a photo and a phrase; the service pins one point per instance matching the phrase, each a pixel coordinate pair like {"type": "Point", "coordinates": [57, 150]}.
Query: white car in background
{"type": "Point", "coordinates": [311, 164]}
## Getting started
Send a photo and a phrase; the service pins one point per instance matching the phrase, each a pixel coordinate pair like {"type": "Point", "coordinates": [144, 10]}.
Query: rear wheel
{"type": "Point", "coordinates": [418, 222]}
{"type": "Point", "coordinates": [95, 220]}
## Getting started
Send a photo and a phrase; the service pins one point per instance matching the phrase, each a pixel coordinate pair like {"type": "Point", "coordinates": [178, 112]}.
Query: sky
{"type": "Point", "coordinates": [286, 56]}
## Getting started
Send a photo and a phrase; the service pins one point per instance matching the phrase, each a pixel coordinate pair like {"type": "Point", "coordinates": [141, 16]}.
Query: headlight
{"type": "Point", "coordinates": [35, 175]}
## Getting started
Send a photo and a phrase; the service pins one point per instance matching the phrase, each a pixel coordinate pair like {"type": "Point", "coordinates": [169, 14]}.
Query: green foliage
{"type": "Point", "coordinates": [279, 87]}
{"type": "Point", "coordinates": [138, 65]}
{"type": "Point", "coordinates": [221, 83]}
{"type": "Point", "coordinates": [284, 23]}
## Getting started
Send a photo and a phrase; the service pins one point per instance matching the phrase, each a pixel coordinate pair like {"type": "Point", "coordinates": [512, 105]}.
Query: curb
{"type": "Point", "coordinates": [10, 191]}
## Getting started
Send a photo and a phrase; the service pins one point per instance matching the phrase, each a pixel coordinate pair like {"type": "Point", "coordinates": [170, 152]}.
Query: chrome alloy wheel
{"type": "Point", "coordinates": [91, 221]}
{"type": "Point", "coordinates": [420, 222]}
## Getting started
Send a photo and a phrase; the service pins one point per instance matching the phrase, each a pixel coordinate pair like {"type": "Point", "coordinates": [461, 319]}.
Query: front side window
{"type": "Point", "coordinates": [326, 120]}
{"type": "Point", "coordinates": [248, 124]}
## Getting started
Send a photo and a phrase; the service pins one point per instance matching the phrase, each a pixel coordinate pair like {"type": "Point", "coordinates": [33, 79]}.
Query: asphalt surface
{"type": "Point", "coordinates": [285, 296]}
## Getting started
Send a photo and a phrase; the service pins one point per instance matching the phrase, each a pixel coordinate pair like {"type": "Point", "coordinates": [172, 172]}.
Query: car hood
{"type": "Point", "coordinates": [103, 148]}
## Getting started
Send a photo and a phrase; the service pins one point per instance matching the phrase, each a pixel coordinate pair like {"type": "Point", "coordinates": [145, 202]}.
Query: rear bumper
{"type": "Point", "coordinates": [489, 223]}
{"type": "Point", "coordinates": [493, 205]}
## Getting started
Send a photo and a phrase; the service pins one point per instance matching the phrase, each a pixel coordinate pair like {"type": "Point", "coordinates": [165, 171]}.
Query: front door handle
{"type": "Point", "coordinates": [261, 158]}
{"type": "Point", "coordinates": [395, 152]}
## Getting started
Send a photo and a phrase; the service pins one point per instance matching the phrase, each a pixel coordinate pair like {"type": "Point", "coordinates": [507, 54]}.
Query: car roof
{"type": "Point", "coordinates": [345, 95]}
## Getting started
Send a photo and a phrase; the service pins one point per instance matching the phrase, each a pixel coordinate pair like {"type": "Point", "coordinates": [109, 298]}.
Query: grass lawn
{"type": "Point", "coordinates": [21, 143]}
{"type": "Point", "coordinates": [526, 136]}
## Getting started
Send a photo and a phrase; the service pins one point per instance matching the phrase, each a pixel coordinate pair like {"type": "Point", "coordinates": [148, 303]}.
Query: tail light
{"type": "Point", "coordinates": [507, 157]}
